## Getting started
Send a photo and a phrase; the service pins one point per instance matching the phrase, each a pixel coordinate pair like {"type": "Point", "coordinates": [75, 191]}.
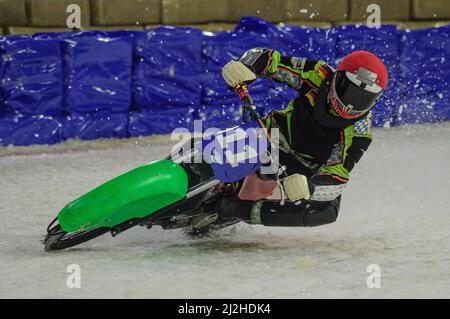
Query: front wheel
{"type": "Point", "coordinates": [57, 238]}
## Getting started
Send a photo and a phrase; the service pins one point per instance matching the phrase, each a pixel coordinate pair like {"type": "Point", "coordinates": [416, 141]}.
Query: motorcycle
{"type": "Point", "coordinates": [175, 192]}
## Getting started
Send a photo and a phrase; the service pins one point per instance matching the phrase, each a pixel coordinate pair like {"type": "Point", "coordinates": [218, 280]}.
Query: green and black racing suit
{"type": "Point", "coordinates": [325, 155]}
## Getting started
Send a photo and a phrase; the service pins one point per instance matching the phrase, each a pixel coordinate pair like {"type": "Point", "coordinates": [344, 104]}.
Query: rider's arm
{"type": "Point", "coordinates": [332, 177]}
{"type": "Point", "coordinates": [292, 71]}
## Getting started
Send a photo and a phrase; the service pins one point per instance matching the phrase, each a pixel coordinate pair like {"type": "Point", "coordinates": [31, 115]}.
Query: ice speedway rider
{"type": "Point", "coordinates": [324, 132]}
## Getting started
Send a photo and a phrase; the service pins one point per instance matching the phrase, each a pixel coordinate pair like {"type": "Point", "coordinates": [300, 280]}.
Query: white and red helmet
{"type": "Point", "coordinates": [359, 80]}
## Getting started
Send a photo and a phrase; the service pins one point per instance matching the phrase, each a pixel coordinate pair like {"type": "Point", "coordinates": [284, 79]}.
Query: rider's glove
{"type": "Point", "coordinates": [235, 73]}
{"type": "Point", "coordinates": [296, 187]}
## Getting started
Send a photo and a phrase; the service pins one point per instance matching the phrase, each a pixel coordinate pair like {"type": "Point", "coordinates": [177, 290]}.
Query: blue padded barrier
{"type": "Point", "coordinates": [98, 84]}
{"type": "Point", "coordinates": [2, 68]}
{"type": "Point", "coordinates": [159, 121]}
{"type": "Point", "coordinates": [23, 129]}
{"type": "Point", "coordinates": [98, 68]}
{"type": "Point", "coordinates": [93, 125]}
{"type": "Point", "coordinates": [32, 80]}
{"type": "Point", "coordinates": [98, 72]}
{"type": "Point", "coordinates": [168, 68]}
{"type": "Point", "coordinates": [167, 80]}
{"type": "Point", "coordinates": [424, 75]}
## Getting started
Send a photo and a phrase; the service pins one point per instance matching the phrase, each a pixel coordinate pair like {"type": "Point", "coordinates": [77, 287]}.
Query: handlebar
{"type": "Point", "coordinates": [247, 103]}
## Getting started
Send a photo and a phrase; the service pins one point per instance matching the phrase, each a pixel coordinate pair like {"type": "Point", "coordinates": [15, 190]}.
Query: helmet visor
{"type": "Point", "coordinates": [350, 100]}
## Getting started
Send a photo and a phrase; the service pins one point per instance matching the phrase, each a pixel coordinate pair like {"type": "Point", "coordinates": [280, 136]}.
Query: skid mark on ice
{"type": "Point", "coordinates": [161, 246]}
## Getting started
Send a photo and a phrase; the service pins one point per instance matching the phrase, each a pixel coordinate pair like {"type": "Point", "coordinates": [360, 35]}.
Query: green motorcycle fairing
{"type": "Point", "coordinates": [134, 194]}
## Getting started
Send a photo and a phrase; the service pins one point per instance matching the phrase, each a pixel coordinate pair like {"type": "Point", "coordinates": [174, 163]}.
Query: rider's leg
{"type": "Point", "coordinates": [271, 213]}
{"type": "Point", "coordinates": [232, 207]}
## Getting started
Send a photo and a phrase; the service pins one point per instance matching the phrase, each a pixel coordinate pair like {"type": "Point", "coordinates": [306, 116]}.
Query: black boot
{"type": "Point", "coordinates": [231, 206]}
{"type": "Point", "coordinates": [307, 213]}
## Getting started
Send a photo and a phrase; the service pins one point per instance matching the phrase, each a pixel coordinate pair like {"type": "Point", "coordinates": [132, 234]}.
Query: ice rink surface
{"type": "Point", "coordinates": [395, 213]}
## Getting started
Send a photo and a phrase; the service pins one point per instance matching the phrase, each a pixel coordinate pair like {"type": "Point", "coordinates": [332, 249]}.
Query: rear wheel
{"type": "Point", "coordinates": [58, 239]}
